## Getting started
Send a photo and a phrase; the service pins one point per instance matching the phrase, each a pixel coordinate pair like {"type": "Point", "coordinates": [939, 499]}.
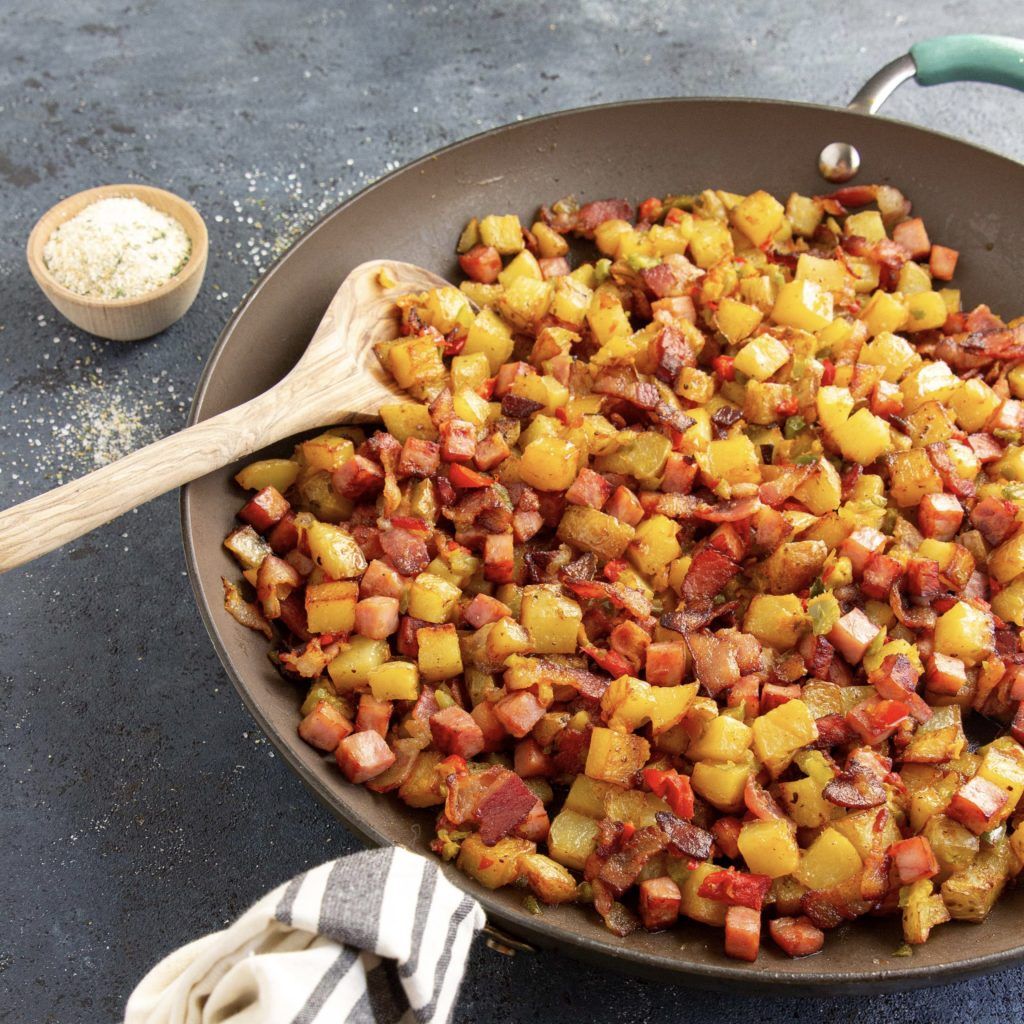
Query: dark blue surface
{"type": "Point", "coordinates": [139, 806]}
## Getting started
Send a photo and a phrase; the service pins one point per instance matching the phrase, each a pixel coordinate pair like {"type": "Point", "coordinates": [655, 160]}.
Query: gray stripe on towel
{"type": "Point", "coordinates": [466, 906]}
{"type": "Point", "coordinates": [288, 897]}
{"type": "Point", "coordinates": [347, 961]}
{"type": "Point", "coordinates": [424, 900]}
{"type": "Point", "coordinates": [350, 909]}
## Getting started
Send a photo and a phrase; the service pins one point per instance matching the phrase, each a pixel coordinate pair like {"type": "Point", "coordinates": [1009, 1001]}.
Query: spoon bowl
{"type": "Point", "coordinates": [338, 379]}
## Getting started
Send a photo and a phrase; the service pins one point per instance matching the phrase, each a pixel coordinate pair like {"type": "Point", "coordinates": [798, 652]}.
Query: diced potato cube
{"type": "Point", "coordinates": [778, 621]}
{"type": "Point", "coordinates": [723, 739]}
{"type": "Point", "coordinates": [432, 599]}
{"type": "Point", "coordinates": [965, 632]}
{"type": "Point", "coordinates": [1008, 604]}
{"type": "Point", "coordinates": [492, 337]}
{"type": "Point", "coordinates": [780, 733]}
{"type": "Point", "coordinates": [733, 460]}
{"type": "Point", "coordinates": [335, 550]}
{"type": "Point", "coordinates": [549, 464]}
{"type": "Point", "coordinates": [922, 911]}
{"type": "Point", "coordinates": [423, 788]}
{"type": "Point", "coordinates": [822, 491]}
{"type": "Point", "coordinates": [525, 301]}
{"type": "Point", "coordinates": [548, 880]}
{"type": "Point", "coordinates": [803, 304]}
{"type": "Point", "coordinates": [769, 847]}
{"type": "Point", "coordinates": [597, 532]}
{"type": "Point", "coordinates": [830, 274]}
{"type": "Point", "coordinates": [439, 656]}
{"type": "Point", "coordinates": [721, 784]}
{"type": "Point", "coordinates": [277, 473]}
{"type": "Point", "coordinates": [351, 668]}
{"type": "Point", "coordinates": [802, 800]}
{"type": "Point", "coordinates": [331, 607]}
{"type": "Point", "coordinates": [408, 419]}
{"type": "Point", "coordinates": [669, 705]}
{"type": "Point", "coordinates": [737, 320]}
{"type": "Point", "coordinates": [884, 312]}
{"type": "Point", "coordinates": [615, 756]}
{"type": "Point", "coordinates": [587, 796]}
{"type": "Point", "coordinates": [974, 402]}
{"type": "Point", "coordinates": [863, 438]}
{"type": "Point", "coordinates": [692, 904]}
{"type": "Point", "coordinates": [894, 354]}
{"type": "Point", "coordinates": [328, 452]}
{"type": "Point", "coordinates": [761, 357]}
{"type": "Point", "coordinates": [912, 476]}
{"type": "Point", "coordinates": [549, 242]}
{"type": "Point", "coordinates": [654, 545]}
{"type": "Point", "coordinates": [395, 680]}
{"type": "Point", "coordinates": [834, 405]}
{"type": "Point", "coordinates": [570, 300]}
{"type": "Point", "coordinates": [524, 265]}
{"type": "Point", "coordinates": [867, 224]}
{"type": "Point", "coordinates": [416, 365]}
{"type": "Point", "coordinates": [830, 860]}
{"type": "Point", "coordinates": [607, 318]}
{"type": "Point", "coordinates": [709, 243]}
{"type": "Point", "coordinates": [925, 311]}
{"type": "Point", "coordinates": [572, 839]}
{"type": "Point", "coordinates": [504, 233]}
{"type": "Point", "coordinates": [970, 894]}
{"type": "Point", "coordinates": [804, 214]}
{"type": "Point", "coordinates": [758, 216]}
{"type": "Point", "coordinates": [446, 308]}
{"type": "Point", "coordinates": [931, 382]}
{"type": "Point", "coordinates": [493, 866]}
{"type": "Point", "coordinates": [1006, 772]}
{"type": "Point", "coordinates": [552, 619]}
{"type": "Point", "coordinates": [1007, 561]}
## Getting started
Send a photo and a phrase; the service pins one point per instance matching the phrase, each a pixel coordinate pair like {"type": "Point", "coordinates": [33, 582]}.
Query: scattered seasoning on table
{"type": "Point", "coordinates": [117, 248]}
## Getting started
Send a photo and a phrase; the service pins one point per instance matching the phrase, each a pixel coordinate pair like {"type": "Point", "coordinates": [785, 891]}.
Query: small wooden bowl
{"type": "Point", "coordinates": [123, 319]}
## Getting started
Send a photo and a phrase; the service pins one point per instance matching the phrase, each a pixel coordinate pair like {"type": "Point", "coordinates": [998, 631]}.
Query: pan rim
{"type": "Point", "coordinates": [545, 933]}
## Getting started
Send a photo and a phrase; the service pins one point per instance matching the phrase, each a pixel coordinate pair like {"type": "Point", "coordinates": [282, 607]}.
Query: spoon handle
{"type": "Point", "coordinates": [46, 522]}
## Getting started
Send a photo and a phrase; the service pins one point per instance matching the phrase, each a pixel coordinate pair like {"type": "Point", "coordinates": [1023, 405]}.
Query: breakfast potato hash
{"type": "Point", "coordinates": [673, 584]}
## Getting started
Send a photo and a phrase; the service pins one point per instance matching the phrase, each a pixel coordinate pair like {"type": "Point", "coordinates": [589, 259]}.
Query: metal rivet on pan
{"type": "Point", "coordinates": [838, 162]}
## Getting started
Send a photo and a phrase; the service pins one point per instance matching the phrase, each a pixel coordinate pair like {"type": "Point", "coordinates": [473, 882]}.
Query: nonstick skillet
{"type": "Point", "coordinates": [970, 197]}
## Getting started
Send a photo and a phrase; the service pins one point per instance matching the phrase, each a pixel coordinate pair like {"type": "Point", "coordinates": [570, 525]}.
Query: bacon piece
{"type": "Point", "coordinates": [875, 720]}
{"type": "Point", "coordinates": [889, 256]}
{"type": "Point", "coordinates": [733, 511]}
{"type": "Point", "coordinates": [419, 458]}
{"type": "Point", "coordinates": [594, 214]}
{"type": "Point", "coordinates": [377, 617]}
{"type": "Point", "coordinates": [407, 550]}
{"type": "Point", "coordinates": [852, 635]}
{"type": "Point", "coordinates": [482, 263]}
{"type": "Point", "coordinates": [881, 573]}
{"type": "Point", "coordinates": [373, 714]}
{"type": "Point", "coordinates": [455, 731]}
{"type": "Point", "coordinates": [742, 933]}
{"type": "Point", "coordinates": [265, 509]}
{"type": "Point", "coordinates": [981, 348]}
{"type": "Point", "coordinates": [589, 489]}
{"type": "Point", "coordinates": [708, 575]}
{"type": "Point", "coordinates": [519, 712]}
{"type": "Point", "coordinates": [680, 473]}
{"type": "Point", "coordinates": [619, 871]}
{"type": "Point", "coordinates": [978, 804]}
{"type": "Point", "coordinates": [693, 619]}
{"type": "Point", "coordinates": [939, 456]}
{"type": "Point", "coordinates": [855, 789]}
{"type": "Point", "coordinates": [833, 731]}
{"type": "Point", "coordinates": [284, 537]}
{"type": "Point", "coordinates": [796, 936]}
{"type": "Point", "coordinates": [491, 451]}
{"type": "Point", "coordinates": [633, 601]}
{"type": "Point", "coordinates": [775, 493]}
{"type": "Point", "coordinates": [504, 807]}
{"type": "Point", "coordinates": [507, 375]}
{"type": "Point", "coordinates": [737, 888]}
{"type": "Point", "coordinates": [517, 407]}
{"type": "Point", "coordinates": [458, 440]}
{"type": "Point", "coordinates": [916, 618]}
{"type": "Point", "coordinates": [363, 756]}
{"type": "Point", "coordinates": [658, 903]}
{"type": "Point", "coordinates": [759, 802]}
{"type": "Point", "coordinates": [671, 352]}
{"type": "Point", "coordinates": [994, 519]}
{"type": "Point", "coordinates": [940, 516]}
{"type": "Point", "coordinates": [913, 860]}
{"type": "Point", "coordinates": [358, 478]}
{"type": "Point", "coordinates": [1017, 728]}
{"type": "Point", "coordinates": [774, 695]}
{"type": "Point", "coordinates": [714, 661]}
{"type": "Point", "coordinates": [324, 727]}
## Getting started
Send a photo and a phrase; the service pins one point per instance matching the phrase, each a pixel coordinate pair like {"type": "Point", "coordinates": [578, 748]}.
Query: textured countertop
{"type": "Point", "coordinates": [139, 805]}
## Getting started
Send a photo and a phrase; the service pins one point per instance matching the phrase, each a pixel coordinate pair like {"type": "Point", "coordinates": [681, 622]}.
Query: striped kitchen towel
{"type": "Point", "coordinates": [378, 937]}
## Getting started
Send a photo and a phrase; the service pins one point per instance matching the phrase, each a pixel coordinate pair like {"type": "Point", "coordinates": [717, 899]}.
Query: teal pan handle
{"type": "Point", "coordinates": [998, 60]}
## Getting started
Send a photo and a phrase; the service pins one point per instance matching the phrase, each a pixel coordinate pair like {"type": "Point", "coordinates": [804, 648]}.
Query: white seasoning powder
{"type": "Point", "coordinates": [117, 248]}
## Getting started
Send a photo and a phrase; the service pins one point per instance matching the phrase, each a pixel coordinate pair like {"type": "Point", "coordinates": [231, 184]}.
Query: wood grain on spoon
{"type": "Point", "coordinates": [337, 379]}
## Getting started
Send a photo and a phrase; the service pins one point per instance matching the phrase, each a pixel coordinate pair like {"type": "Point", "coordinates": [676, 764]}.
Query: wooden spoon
{"type": "Point", "coordinates": [337, 379]}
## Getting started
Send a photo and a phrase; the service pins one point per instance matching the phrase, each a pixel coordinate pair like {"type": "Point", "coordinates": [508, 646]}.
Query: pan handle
{"type": "Point", "coordinates": [998, 60]}
{"type": "Point", "coordinates": [995, 59]}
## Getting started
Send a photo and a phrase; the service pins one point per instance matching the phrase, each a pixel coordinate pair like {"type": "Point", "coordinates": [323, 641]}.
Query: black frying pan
{"type": "Point", "coordinates": [970, 198]}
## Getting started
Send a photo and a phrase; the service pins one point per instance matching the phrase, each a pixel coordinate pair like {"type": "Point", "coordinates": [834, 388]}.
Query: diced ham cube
{"type": "Point", "coordinates": [455, 731]}
{"type": "Point", "coordinates": [589, 489]}
{"type": "Point", "coordinates": [747, 694]}
{"type": "Point", "coordinates": [774, 694]}
{"type": "Point", "coordinates": [526, 523]}
{"type": "Point", "coordinates": [519, 712]}
{"type": "Point", "coordinates": [285, 536]}
{"type": "Point", "coordinates": [554, 266]}
{"type": "Point", "coordinates": [625, 506]}
{"type": "Point", "coordinates": [994, 519]}
{"type": "Point", "coordinates": [482, 263]}
{"type": "Point", "coordinates": [491, 451]}
{"type": "Point", "coordinates": [380, 580]}
{"type": "Point", "coordinates": [940, 516]}
{"type": "Point", "coordinates": [593, 214]}
{"type": "Point", "coordinates": [377, 617]}
{"type": "Point", "coordinates": [490, 725]}
{"type": "Point", "coordinates": [945, 675]}
{"type": "Point", "coordinates": [797, 936]}
{"type": "Point", "coordinates": [986, 448]}
{"type": "Point", "coordinates": [357, 478]}
{"type": "Point", "coordinates": [923, 579]}
{"type": "Point", "coordinates": [942, 262]}
{"type": "Point", "coordinates": [680, 472]}
{"type": "Point", "coordinates": [894, 678]}
{"type": "Point", "coordinates": [363, 756]}
{"type": "Point", "coordinates": [852, 635]}
{"type": "Point", "coordinates": [978, 805]}
{"type": "Point", "coordinates": [913, 859]}
{"type": "Point", "coordinates": [674, 307]}
{"type": "Point", "coordinates": [507, 375]}
{"type": "Point", "coordinates": [499, 558]}
{"type": "Point", "coordinates": [530, 760]}
{"type": "Point", "coordinates": [407, 643]}
{"type": "Point", "coordinates": [666, 663]}
{"type": "Point", "coordinates": [373, 715]}
{"type": "Point", "coordinates": [880, 573]}
{"type": "Point", "coordinates": [458, 441]}
{"type": "Point", "coordinates": [911, 234]}
{"type": "Point", "coordinates": [265, 509]}
{"type": "Point", "coordinates": [536, 825]}
{"type": "Point", "coordinates": [861, 545]}
{"type": "Point", "coordinates": [324, 727]}
{"type": "Point", "coordinates": [875, 720]}
{"type": "Point", "coordinates": [659, 903]}
{"type": "Point", "coordinates": [1008, 416]}
{"type": "Point", "coordinates": [483, 609]}
{"type": "Point", "coordinates": [407, 549]}
{"type": "Point", "coordinates": [419, 458]}
{"type": "Point", "coordinates": [742, 933]}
